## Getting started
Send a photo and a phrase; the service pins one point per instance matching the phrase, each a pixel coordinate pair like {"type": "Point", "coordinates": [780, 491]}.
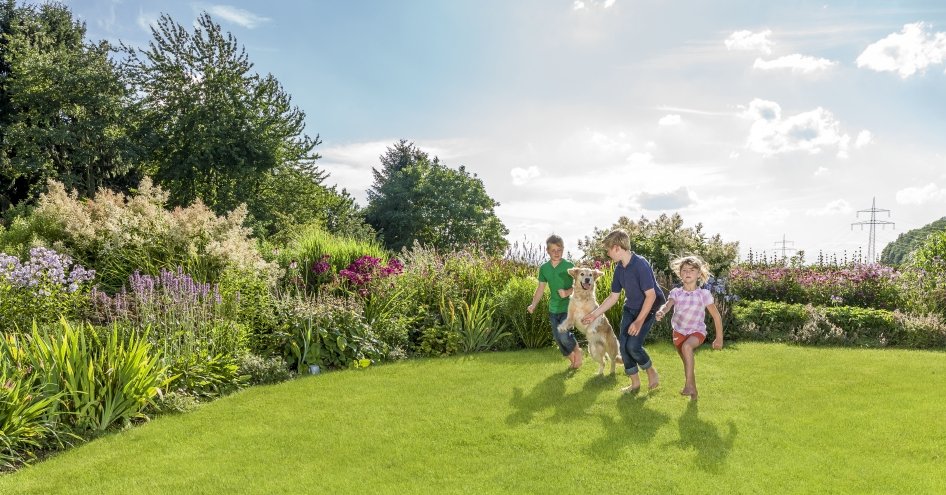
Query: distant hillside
{"type": "Point", "coordinates": [897, 251]}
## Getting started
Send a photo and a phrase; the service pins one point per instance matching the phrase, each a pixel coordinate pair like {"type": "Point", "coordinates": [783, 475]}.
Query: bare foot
{"type": "Point", "coordinates": [653, 381]}
{"type": "Point", "coordinates": [576, 363]}
{"type": "Point", "coordinates": [687, 391]}
{"type": "Point", "coordinates": [630, 389]}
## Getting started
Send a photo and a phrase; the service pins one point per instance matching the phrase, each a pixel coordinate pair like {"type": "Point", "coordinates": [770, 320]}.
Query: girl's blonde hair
{"type": "Point", "coordinates": [696, 262]}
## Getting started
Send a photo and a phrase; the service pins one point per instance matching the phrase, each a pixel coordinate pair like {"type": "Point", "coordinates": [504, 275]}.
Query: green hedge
{"type": "Point", "coordinates": [834, 325]}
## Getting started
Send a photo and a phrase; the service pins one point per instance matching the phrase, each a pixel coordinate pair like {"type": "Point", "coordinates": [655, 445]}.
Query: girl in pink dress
{"type": "Point", "coordinates": [690, 304]}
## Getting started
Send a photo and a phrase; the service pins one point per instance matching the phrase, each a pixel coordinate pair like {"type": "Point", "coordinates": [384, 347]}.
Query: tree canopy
{"type": "Point", "coordinates": [898, 251]}
{"type": "Point", "coordinates": [418, 198]}
{"type": "Point", "coordinates": [62, 107]}
{"type": "Point", "coordinates": [663, 239]}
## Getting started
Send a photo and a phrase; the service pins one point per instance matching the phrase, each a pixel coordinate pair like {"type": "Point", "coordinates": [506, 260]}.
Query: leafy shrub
{"type": "Point", "coordinates": [118, 235]}
{"type": "Point", "coordinates": [921, 331]}
{"type": "Point", "coordinates": [205, 376]}
{"type": "Point", "coordinates": [330, 332]}
{"type": "Point", "coordinates": [98, 380]}
{"type": "Point", "coordinates": [251, 304]}
{"type": "Point", "coordinates": [264, 370]}
{"type": "Point", "coordinates": [834, 325]}
{"type": "Point", "coordinates": [532, 331]}
{"type": "Point", "coordinates": [474, 323]}
{"type": "Point", "coordinates": [765, 320]}
{"type": "Point", "coordinates": [924, 280]}
{"type": "Point", "coordinates": [27, 417]}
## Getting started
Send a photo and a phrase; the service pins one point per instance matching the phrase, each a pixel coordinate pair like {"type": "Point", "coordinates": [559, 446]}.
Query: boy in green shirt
{"type": "Point", "coordinates": [554, 273]}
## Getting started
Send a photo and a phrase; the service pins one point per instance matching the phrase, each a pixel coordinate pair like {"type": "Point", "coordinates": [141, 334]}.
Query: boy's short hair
{"type": "Point", "coordinates": [617, 237]}
{"type": "Point", "coordinates": [554, 240]}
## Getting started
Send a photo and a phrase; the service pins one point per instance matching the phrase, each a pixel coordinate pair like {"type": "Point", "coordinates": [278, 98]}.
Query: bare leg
{"type": "Point", "coordinates": [689, 365]}
{"type": "Point", "coordinates": [684, 390]}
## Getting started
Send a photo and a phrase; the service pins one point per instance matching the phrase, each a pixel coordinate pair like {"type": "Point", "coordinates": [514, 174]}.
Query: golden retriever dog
{"type": "Point", "coordinates": [601, 340]}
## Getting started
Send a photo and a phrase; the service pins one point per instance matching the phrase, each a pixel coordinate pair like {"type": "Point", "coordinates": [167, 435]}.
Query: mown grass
{"type": "Point", "coordinates": [771, 418]}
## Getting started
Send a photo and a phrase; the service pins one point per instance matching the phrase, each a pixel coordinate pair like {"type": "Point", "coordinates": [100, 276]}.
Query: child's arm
{"type": "Point", "coordinates": [600, 310]}
{"type": "Point", "coordinates": [536, 296]}
{"type": "Point", "coordinates": [718, 322]}
{"type": "Point", "coordinates": [649, 297]}
{"type": "Point", "coordinates": [664, 309]}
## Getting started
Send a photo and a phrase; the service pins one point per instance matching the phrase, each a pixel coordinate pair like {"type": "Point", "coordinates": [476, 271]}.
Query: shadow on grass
{"type": "Point", "coordinates": [550, 394]}
{"type": "Point", "coordinates": [635, 427]}
{"type": "Point", "coordinates": [712, 449]}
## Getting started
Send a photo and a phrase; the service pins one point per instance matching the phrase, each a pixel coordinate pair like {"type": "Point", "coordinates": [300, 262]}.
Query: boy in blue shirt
{"type": "Point", "coordinates": [554, 273]}
{"type": "Point", "coordinates": [643, 296]}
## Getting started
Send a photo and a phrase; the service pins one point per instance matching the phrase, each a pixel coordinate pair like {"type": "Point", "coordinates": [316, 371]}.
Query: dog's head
{"type": "Point", "coordinates": [585, 278]}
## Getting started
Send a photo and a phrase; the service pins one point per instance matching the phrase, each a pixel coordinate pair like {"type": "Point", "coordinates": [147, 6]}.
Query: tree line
{"type": "Point", "coordinates": [189, 111]}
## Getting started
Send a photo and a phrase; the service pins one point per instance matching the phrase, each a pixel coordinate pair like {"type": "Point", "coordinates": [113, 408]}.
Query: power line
{"type": "Point", "coordinates": [784, 247]}
{"type": "Point", "coordinates": [873, 223]}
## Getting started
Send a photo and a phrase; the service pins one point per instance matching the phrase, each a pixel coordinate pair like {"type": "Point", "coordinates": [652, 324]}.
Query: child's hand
{"type": "Point", "coordinates": [563, 293]}
{"type": "Point", "coordinates": [531, 308]}
{"type": "Point", "coordinates": [588, 319]}
{"type": "Point", "coordinates": [660, 314]}
{"type": "Point", "coordinates": [718, 343]}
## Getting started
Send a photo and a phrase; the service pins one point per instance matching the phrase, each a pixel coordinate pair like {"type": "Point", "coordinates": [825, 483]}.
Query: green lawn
{"type": "Point", "coordinates": [771, 419]}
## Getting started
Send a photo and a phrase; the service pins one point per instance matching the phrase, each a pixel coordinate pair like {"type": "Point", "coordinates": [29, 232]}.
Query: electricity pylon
{"type": "Point", "coordinates": [873, 223]}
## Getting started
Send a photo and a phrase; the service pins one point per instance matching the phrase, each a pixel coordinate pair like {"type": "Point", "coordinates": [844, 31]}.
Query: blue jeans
{"type": "Point", "coordinates": [565, 340]}
{"type": "Point", "coordinates": [632, 346]}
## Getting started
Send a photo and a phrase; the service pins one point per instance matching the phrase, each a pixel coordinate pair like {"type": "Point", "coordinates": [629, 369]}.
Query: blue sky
{"type": "Point", "coordinates": [758, 119]}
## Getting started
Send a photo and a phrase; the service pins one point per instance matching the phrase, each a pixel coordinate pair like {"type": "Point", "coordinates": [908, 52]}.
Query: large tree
{"type": "Point", "coordinates": [418, 198]}
{"type": "Point", "coordinates": [63, 107]}
{"type": "Point", "coordinates": [212, 129]}
{"type": "Point", "coordinates": [663, 239]}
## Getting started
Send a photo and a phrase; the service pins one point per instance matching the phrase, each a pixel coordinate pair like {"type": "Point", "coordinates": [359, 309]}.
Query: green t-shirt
{"type": "Point", "coordinates": [557, 278]}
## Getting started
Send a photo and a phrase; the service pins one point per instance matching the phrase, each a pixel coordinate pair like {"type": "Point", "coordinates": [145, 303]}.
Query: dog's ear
{"type": "Point", "coordinates": [573, 271]}
{"type": "Point", "coordinates": [598, 273]}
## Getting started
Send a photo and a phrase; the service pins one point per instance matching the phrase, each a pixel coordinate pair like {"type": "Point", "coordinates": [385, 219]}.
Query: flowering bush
{"type": "Point", "coordinates": [867, 285]}
{"type": "Point", "coordinates": [117, 235]}
{"type": "Point", "coordinates": [364, 270]}
{"type": "Point", "coordinates": [191, 323]}
{"type": "Point", "coordinates": [46, 286]}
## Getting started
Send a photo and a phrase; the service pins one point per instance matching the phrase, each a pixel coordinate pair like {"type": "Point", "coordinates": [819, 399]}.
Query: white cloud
{"type": "Point", "coordinates": [836, 207]}
{"type": "Point", "coordinates": [747, 40]}
{"type": "Point", "coordinates": [911, 50]}
{"type": "Point", "coordinates": [863, 139]}
{"type": "Point", "coordinates": [579, 4]}
{"type": "Point", "coordinates": [920, 195]}
{"type": "Point", "coordinates": [237, 15]}
{"type": "Point", "coordinates": [843, 146]}
{"type": "Point", "coordinates": [522, 176]}
{"type": "Point", "coordinates": [809, 131]}
{"type": "Point", "coordinates": [669, 200]}
{"type": "Point", "coordinates": [760, 109]}
{"type": "Point", "coordinates": [670, 119]}
{"type": "Point", "coordinates": [794, 62]}
{"type": "Point", "coordinates": [147, 19]}
{"type": "Point", "coordinates": [822, 171]}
